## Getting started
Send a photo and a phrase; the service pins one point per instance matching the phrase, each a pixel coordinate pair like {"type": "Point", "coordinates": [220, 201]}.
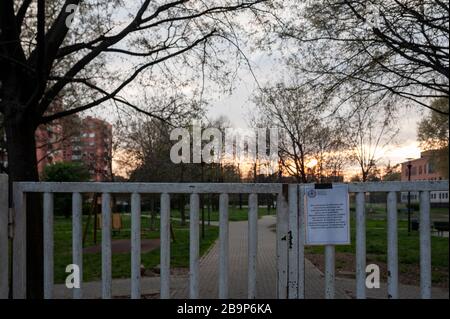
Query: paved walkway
{"type": "Point", "coordinates": [266, 266]}
{"type": "Point", "coordinates": [266, 274]}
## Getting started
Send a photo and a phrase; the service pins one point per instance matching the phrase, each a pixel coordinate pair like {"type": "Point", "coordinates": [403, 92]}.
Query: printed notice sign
{"type": "Point", "coordinates": [327, 215]}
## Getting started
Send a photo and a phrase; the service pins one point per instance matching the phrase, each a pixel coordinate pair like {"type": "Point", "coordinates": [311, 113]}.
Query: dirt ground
{"type": "Point", "coordinates": [124, 246]}
{"type": "Point", "coordinates": [345, 267]}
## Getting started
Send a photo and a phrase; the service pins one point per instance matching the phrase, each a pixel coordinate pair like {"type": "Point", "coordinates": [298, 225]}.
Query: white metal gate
{"type": "Point", "coordinates": [292, 222]}
{"type": "Point", "coordinates": [290, 236]}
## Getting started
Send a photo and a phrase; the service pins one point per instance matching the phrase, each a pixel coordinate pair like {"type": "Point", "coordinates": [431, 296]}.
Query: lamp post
{"type": "Point", "coordinates": [409, 165]}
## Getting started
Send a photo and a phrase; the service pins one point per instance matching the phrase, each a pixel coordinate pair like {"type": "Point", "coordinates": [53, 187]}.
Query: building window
{"type": "Point", "coordinates": [91, 134]}
{"type": "Point", "coordinates": [420, 170]}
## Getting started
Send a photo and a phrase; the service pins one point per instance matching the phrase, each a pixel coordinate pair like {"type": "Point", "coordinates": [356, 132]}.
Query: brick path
{"type": "Point", "coordinates": [266, 266]}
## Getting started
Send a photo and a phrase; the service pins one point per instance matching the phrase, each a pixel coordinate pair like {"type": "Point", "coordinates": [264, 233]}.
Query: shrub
{"type": "Point", "coordinates": [65, 172]}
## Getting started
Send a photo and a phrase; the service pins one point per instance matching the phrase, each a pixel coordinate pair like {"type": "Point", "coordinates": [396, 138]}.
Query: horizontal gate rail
{"type": "Point", "coordinates": [143, 188]}
{"type": "Point", "coordinates": [211, 188]}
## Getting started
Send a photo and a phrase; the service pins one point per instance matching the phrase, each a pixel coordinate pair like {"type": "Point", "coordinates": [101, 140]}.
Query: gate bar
{"type": "Point", "coordinates": [360, 246]}
{"type": "Point", "coordinates": [425, 246]}
{"type": "Point", "coordinates": [282, 248]}
{"type": "Point", "coordinates": [48, 246]}
{"type": "Point", "coordinates": [136, 246]}
{"type": "Point", "coordinates": [165, 246]}
{"type": "Point", "coordinates": [77, 237]}
{"type": "Point", "coordinates": [392, 246]}
{"type": "Point", "coordinates": [301, 242]}
{"type": "Point", "coordinates": [19, 271]}
{"type": "Point", "coordinates": [224, 250]}
{"type": "Point", "coordinates": [252, 244]}
{"type": "Point", "coordinates": [4, 238]}
{"type": "Point", "coordinates": [293, 243]}
{"type": "Point", "coordinates": [329, 271]}
{"type": "Point", "coordinates": [106, 246]}
{"type": "Point", "coordinates": [194, 247]}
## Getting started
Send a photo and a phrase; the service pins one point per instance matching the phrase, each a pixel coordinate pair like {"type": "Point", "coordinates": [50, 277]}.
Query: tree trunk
{"type": "Point", "coordinates": [22, 166]}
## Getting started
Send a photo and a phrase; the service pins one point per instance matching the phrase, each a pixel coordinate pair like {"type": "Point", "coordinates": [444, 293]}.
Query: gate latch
{"type": "Point", "coordinates": [289, 238]}
{"type": "Point", "coordinates": [10, 224]}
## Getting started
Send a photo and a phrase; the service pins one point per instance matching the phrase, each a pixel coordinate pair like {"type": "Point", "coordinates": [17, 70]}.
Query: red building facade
{"type": "Point", "coordinates": [87, 140]}
{"type": "Point", "coordinates": [93, 147]}
{"type": "Point", "coordinates": [423, 169]}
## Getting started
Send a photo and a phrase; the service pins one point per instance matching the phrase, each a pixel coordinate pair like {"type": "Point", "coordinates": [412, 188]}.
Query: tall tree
{"type": "Point", "coordinates": [433, 134]}
{"type": "Point", "coordinates": [392, 173]}
{"type": "Point", "coordinates": [368, 133]}
{"type": "Point", "coordinates": [306, 132]}
{"type": "Point", "coordinates": [88, 53]}
{"type": "Point", "coordinates": [433, 130]}
{"type": "Point", "coordinates": [347, 47]}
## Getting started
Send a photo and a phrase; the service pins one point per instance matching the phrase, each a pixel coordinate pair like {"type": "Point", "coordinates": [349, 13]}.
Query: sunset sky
{"type": "Point", "coordinates": [267, 68]}
{"type": "Point", "coordinates": [238, 107]}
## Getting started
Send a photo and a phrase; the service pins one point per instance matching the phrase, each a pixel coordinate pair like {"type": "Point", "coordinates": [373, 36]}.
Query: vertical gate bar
{"type": "Point", "coordinates": [252, 243]}
{"type": "Point", "coordinates": [136, 246]}
{"type": "Point", "coordinates": [301, 242]}
{"type": "Point", "coordinates": [4, 249]}
{"type": "Point", "coordinates": [77, 235]}
{"type": "Point", "coordinates": [48, 246]}
{"type": "Point", "coordinates": [223, 241]}
{"type": "Point", "coordinates": [165, 246]}
{"type": "Point", "coordinates": [282, 248]}
{"type": "Point", "coordinates": [425, 246]}
{"type": "Point", "coordinates": [329, 272]}
{"type": "Point", "coordinates": [106, 246]}
{"type": "Point", "coordinates": [360, 247]}
{"type": "Point", "coordinates": [194, 247]}
{"type": "Point", "coordinates": [392, 246]}
{"type": "Point", "coordinates": [293, 243]}
{"type": "Point", "coordinates": [19, 271]}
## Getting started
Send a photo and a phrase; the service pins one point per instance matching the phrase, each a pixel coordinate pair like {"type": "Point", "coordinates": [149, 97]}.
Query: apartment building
{"type": "Point", "coordinates": [93, 147]}
{"type": "Point", "coordinates": [420, 169]}
{"type": "Point", "coordinates": [87, 140]}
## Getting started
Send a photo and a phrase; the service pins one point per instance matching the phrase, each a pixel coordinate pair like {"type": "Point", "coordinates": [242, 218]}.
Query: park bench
{"type": "Point", "coordinates": [441, 227]}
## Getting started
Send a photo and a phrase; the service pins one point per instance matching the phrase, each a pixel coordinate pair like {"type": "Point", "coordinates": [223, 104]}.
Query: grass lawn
{"type": "Point", "coordinates": [234, 213]}
{"type": "Point", "coordinates": [378, 211]}
{"type": "Point", "coordinates": [376, 249]}
{"type": "Point", "coordinates": [121, 262]}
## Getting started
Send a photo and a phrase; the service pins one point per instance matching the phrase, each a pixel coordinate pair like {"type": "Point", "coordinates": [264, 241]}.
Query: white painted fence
{"type": "Point", "coordinates": [135, 189]}
{"type": "Point", "coordinates": [295, 227]}
{"type": "Point", "coordinates": [290, 234]}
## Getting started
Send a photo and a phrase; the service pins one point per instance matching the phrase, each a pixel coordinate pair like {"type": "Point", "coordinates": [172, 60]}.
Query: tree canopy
{"type": "Point", "coordinates": [396, 49]}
